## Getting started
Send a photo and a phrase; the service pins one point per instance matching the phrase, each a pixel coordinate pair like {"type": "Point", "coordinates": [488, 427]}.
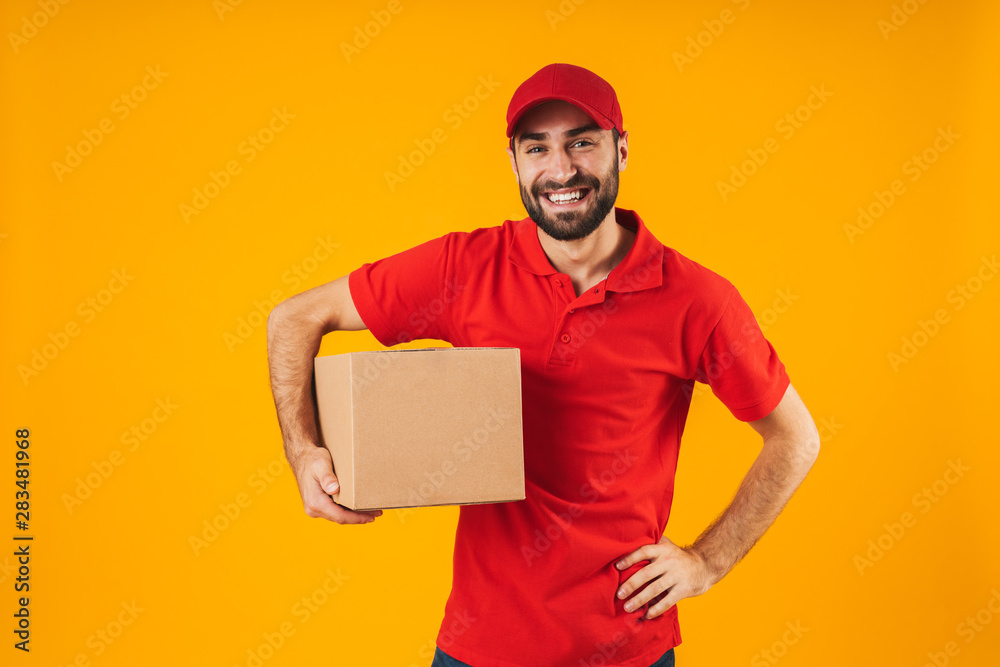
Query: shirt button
{"type": "Point", "coordinates": [597, 290]}
{"type": "Point", "coordinates": [558, 283]}
{"type": "Point", "coordinates": [565, 338]}
{"type": "Point", "coordinates": [572, 310]}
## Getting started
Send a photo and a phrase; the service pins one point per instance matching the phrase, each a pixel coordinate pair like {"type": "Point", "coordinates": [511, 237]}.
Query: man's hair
{"type": "Point", "coordinates": [614, 135]}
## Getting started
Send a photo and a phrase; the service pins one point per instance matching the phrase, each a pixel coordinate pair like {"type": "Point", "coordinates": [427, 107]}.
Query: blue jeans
{"type": "Point", "coordinates": [442, 659]}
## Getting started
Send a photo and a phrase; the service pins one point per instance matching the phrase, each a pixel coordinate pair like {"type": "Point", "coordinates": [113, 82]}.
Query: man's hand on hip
{"type": "Point", "coordinates": [672, 572]}
{"type": "Point", "coordinates": [313, 470]}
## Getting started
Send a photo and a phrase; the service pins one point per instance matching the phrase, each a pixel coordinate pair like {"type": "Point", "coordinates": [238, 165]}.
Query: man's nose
{"type": "Point", "coordinates": [561, 166]}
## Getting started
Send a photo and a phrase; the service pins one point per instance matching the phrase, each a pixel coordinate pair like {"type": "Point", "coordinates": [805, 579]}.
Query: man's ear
{"type": "Point", "coordinates": [622, 151]}
{"type": "Point", "coordinates": [513, 165]}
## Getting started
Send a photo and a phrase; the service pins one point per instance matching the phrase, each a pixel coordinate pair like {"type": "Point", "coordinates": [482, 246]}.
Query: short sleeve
{"type": "Point", "coordinates": [740, 365]}
{"type": "Point", "coordinates": [409, 295]}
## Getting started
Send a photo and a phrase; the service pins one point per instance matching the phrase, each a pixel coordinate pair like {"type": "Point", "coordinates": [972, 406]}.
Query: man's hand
{"type": "Point", "coordinates": [313, 470]}
{"type": "Point", "coordinates": [673, 573]}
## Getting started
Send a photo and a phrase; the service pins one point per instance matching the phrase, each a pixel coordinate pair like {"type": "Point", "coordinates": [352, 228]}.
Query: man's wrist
{"type": "Point", "coordinates": [714, 570]}
{"type": "Point", "coordinates": [295, 448]}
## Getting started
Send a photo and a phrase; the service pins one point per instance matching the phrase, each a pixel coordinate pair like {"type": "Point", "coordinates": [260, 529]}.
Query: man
{"type": "Point", "coordinates": [614, 329]}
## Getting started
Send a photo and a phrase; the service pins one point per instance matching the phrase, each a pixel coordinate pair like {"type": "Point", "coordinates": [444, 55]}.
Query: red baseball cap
{"type": "Point", "coordinates": [572, 84]}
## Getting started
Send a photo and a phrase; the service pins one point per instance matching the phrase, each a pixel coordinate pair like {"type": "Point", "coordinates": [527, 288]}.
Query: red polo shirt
{"type": "Point", "coordinates": [606, 385]}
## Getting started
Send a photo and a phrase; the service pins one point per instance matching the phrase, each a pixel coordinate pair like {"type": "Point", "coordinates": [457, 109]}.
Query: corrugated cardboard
{"type": "Point", "coordinates": [414, 428]}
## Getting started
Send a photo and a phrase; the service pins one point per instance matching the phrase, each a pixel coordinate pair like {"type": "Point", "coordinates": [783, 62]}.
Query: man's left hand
{"type": "Point", "coordinates": [675, 572]}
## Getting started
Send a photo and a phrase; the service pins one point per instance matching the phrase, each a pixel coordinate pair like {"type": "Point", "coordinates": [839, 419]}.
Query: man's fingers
{"type": "Point", "coordinates": [318, 504]}
{"type": "Point", "coordinates": [317, 481]}
{"type": "Point", "coordinates": [671, 575]}
{"type": "Point", "coordinates": [665, 603]}
{"type": "Point", "coordinates": [640, 554]}
{"type": "Point", "coordinates": [329, 482]}
{"type": "Point", "coordinates": [636, 581]}
{"type": "Point", "coordinates": [652, 589]}
{"type": "Point", "coordinates": [321, 470]}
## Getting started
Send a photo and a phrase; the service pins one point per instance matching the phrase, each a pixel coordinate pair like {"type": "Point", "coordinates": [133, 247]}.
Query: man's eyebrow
{"type": "Point", "coordinates": [541, 136]}
{"type": "Point", "coordinates": [581, 130]}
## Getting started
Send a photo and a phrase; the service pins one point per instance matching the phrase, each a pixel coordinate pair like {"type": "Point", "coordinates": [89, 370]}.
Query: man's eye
{"type": "Point", "coordinates": [583, 142]}
{"type": "Point", "coordinates": [533, 149]}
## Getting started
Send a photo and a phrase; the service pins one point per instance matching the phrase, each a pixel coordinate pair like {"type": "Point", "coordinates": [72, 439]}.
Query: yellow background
{"type": "Point", "coordinates": [890, 432]}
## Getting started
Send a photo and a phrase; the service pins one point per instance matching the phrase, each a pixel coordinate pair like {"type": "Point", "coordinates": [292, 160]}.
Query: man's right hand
{"type": "Point", "coordinates": [313, 470]}
{"type": "Point", "coordinates": [295, 328]}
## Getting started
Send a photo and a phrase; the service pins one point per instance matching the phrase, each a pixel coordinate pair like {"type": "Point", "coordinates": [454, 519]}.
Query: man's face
{"type": "Point", "coordinates": [567, 169]}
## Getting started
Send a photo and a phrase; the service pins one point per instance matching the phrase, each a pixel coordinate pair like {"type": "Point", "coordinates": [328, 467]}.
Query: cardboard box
{"type": "Point", "coordinates": [414, 428]}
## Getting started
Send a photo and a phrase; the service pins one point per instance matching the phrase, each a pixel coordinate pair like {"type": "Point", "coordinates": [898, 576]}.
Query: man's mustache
{"type": "Point", "coordinates": [578, 181]}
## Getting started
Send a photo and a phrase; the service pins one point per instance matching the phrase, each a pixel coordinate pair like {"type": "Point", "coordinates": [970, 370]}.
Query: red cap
{"type": "Point", "coordinates": [572, 84]}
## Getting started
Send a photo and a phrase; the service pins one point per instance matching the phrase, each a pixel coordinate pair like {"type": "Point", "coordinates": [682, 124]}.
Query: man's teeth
{"type": "Point", "coordinates": [565, 197]}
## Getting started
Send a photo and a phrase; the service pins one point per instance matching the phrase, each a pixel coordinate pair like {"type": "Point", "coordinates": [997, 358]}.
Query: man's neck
{"type": "Point", "coordinates": [588, 260]}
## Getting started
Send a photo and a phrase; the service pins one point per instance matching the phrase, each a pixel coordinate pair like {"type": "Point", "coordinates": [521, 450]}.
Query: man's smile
{"type": "Point", "coordinates": [566, 197]}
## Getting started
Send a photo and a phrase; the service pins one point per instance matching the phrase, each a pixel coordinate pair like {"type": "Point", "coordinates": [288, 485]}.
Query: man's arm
{"type": "Point", "coordinates": [791, 445]}
{"type": "Point", "coordinates": [294, 330]}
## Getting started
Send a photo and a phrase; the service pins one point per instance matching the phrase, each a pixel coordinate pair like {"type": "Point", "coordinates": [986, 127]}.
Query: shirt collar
{"type": "Point", "coordinates": [641, 268]}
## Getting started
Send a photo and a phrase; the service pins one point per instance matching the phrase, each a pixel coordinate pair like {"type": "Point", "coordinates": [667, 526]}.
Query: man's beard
{"type": "Point", "coordinates": [573, 225]}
